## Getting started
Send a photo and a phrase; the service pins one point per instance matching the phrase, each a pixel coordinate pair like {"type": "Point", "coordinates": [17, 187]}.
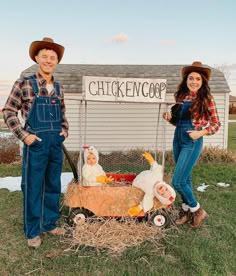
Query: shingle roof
{"type": "Point", "coordinates": [232, 98]}
{"type": "Point", "coordinates": [70, 75]}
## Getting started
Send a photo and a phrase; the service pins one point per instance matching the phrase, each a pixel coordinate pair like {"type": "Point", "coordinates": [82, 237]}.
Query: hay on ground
{"type": "Point", "coordinates": [114, 236]}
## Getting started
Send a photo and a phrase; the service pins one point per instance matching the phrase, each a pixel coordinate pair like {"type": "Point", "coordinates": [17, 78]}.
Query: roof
{"type": "Point", "coordinates": [232, 98]}
{"type": "Point", "coordinates": [70, 75]}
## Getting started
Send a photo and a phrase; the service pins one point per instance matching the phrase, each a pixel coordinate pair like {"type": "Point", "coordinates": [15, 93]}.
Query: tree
{"type": "Point", "coordinates": [225, 69]}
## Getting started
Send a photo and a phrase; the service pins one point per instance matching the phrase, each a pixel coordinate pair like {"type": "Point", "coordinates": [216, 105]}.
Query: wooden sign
{"type": "Point", "coordinates": [124, 89]}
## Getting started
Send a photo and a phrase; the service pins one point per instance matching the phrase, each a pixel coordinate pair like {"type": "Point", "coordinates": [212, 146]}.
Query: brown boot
{"type": "Point", "coordinates": [35, 242]}
{"type": "Point", "coordinates": [198, 217]}
{"type": "Point", "coordinates": [184, 216]}
{"type": "Point", "coordinates": [57, 231]}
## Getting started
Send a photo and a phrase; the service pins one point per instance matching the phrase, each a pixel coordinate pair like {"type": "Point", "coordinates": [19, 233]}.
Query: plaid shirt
{"type": "Point", "coordinates": [211, 124]}
{"type": "Point", "coordinates": [21, 98]}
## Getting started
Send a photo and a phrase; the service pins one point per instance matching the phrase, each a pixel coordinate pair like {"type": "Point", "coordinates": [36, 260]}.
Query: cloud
{"type": "Point", "coordinates": [167, 42]}
{"type": "Point", "coordinates": [120, 38]}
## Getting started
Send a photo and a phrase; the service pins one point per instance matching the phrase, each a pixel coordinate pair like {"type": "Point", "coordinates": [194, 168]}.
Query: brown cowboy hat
{"type": "Point", "coordinates": [197, 67]}
{"type": "Point", "coordinates": [46, 43]}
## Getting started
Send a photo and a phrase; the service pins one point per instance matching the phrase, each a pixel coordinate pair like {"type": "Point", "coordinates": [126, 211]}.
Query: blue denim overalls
{"type": "Point", "coordinates": [42, 164]}
{"type": "Point", "coordinates": [186, 153]}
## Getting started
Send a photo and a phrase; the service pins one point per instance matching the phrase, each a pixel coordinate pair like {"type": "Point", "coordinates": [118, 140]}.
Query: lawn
{"type": "Point", "coordinates": [232, 136]}
{"type": "Point", "coordinates": [209, 250]}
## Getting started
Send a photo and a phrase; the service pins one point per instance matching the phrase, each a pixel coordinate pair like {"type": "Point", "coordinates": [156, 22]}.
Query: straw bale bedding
{"type": "Point", "coordinates": [107, 200]}
{"type": "Point", "coordinates": [112, 235]}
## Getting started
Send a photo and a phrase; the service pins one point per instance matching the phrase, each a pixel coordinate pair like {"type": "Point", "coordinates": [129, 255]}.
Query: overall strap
{"type": "Point", "coordinates": [57, 88]}
{"type": "Point", "coordinates": [35, 87]}
{"type": "Point", "coordinates": [34, 84]}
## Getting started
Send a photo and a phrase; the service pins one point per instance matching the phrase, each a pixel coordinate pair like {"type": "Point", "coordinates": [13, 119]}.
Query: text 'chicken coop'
{"type": "Point", "coordinates": [124, 89]}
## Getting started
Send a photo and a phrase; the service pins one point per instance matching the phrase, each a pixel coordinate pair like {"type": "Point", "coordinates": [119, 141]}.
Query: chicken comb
{"type": "Point", "coordinates": [85, 147]}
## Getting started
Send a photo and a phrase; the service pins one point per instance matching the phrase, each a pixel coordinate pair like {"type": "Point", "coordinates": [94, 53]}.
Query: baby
{"type": "Point", "coordinates": [93, 173]}
{"type": "Point", "coordinates": [151, 182]}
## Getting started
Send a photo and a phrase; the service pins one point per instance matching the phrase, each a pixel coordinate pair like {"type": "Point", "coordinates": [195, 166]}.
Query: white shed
{"type": "Point", "coordinates": [116, 126]}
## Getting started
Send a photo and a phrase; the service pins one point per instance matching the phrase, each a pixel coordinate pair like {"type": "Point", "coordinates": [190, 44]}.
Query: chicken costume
{"type": "Point", "coordinates": [93, 175]}
{"type": "Point", "coordinates": [151, 182]}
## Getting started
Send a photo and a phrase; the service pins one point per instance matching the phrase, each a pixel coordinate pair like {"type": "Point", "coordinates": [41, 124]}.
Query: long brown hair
{"type": "Point", "coordinates": [200, 105]}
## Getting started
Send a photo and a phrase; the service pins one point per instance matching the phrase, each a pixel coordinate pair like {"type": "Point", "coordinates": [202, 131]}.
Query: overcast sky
{"type": "Point", "coordinates": [119, 32]}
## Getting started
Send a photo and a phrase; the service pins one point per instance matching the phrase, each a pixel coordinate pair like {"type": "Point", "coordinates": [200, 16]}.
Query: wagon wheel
{"type": "Point", "coordinates": [78, 215]}
{"type": "Point", "coordinates": [160, 219]}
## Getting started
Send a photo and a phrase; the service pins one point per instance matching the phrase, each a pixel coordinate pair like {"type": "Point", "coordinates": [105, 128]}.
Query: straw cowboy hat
{"type": "Point", "coordinates": [46, 43]}
{"type": "Point", "coordinates": [197, 67]}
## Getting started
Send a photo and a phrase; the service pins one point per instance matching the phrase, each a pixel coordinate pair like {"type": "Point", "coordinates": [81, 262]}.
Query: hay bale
{"type": "Point", "coordinates": [106, 200]}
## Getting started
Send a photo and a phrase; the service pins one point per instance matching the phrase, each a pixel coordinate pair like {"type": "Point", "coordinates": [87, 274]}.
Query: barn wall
{"type": "Point", "coordinates": [124, 126]}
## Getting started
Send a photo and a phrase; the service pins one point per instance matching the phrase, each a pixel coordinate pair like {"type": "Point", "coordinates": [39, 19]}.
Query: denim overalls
{"type": "Point", "coordinates": [42, 164]}
{"type": "Point", "coordinates": [186, 153]}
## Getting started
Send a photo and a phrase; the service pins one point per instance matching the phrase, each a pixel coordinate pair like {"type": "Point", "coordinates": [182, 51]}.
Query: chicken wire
{"type": "Point", "coordinates": [121, 132]}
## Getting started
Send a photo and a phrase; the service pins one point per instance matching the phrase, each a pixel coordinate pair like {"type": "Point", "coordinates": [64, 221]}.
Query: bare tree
{"type": "Point", "coordinates": [225, 69]}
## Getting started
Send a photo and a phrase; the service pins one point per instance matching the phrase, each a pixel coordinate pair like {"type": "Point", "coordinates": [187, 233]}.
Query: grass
{"type": "Point", "coordinates": [5, 128]}
{"type": "Point", "coordinates": [232, 136]}
{"type": "Point", "coordinates": [209, 250]}
{"type": "Point", "coordinates": [232, 116]}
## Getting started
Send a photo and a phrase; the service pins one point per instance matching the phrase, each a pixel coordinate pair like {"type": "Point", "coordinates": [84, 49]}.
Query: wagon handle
{"type": "Point", "coordinates": [72, 165]}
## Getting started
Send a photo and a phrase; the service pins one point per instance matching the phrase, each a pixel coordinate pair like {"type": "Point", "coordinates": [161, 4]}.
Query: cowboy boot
{"type": "Point", "coordinates": [35, 242]}
{"type": "Point", "coordinates": [184, 216]}
{"type": "Point", "coordinates": [198, 217]}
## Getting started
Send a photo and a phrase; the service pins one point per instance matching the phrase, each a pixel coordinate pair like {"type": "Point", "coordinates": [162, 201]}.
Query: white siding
{"type": "Point", "coordinates": [125, 126]}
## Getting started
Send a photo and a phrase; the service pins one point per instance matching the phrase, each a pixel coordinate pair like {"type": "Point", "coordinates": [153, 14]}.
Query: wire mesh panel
{"type": "Point", "coordinates": [121, 132]}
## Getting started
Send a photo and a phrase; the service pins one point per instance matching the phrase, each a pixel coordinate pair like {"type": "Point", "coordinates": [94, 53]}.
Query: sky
{"type": "Point", "coordinates": [119, 32]}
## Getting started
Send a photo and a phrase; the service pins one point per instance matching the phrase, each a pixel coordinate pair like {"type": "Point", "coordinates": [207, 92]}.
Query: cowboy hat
{"type": "Point", "coordinates": [46, 43]}
{"type": "Point", "coordinates": [197, 67]}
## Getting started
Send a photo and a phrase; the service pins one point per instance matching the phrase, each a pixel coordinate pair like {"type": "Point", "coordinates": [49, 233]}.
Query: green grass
{"type": "Point", "coordinates": [232, 136]}
{"type": "Point", "coordinates": [2, 129]}
{"type": "Point", "coordinates": [232, 116]}
{"type": "Point", "coordinates": [208, 251]}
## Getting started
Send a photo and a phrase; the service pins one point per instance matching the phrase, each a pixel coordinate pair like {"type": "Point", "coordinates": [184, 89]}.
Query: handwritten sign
{"type": "Point", "coordinates": [124, 89]}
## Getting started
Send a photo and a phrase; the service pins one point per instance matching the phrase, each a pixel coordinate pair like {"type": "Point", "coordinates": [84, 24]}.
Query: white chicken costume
{"type": "Point", "coordinates": [149, 181]}
{"type": "Point", "coordinates": [93, 175]}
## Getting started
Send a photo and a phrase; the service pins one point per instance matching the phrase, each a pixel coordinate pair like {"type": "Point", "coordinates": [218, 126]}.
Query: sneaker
{"type": "Point", "coordinates": [184, 216]}
{"type": "Point", "coordinates": [35, 242]}
{"type": "Point", "coordinates": [57, 231]}
{"type": "Point", "coordinates": [198, 217]}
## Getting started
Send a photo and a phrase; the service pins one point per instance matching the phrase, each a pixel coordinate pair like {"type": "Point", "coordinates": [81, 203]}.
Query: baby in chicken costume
{"type": "Point", "coordinates": [151, 182]}
{"type": "Point", "coordinates": [93, 173]}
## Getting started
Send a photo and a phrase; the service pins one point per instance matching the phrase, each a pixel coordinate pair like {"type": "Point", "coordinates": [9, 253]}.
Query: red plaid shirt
{"type": "Point", "coordinates": [21, 98]}
{"type": "Point", "coordinates": [211, 124]}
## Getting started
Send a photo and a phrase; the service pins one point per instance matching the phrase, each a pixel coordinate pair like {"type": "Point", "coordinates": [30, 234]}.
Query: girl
{"type": "Point", "coordinates": [194, 116]}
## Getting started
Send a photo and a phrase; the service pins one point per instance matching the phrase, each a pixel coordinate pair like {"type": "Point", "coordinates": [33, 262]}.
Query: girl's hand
{"type": "Point", "coordinates": [166, 116]}
{"type": "Point", "coordinates": [63, 133]}
{"type": "Point", "coordinates": [195, 134]}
